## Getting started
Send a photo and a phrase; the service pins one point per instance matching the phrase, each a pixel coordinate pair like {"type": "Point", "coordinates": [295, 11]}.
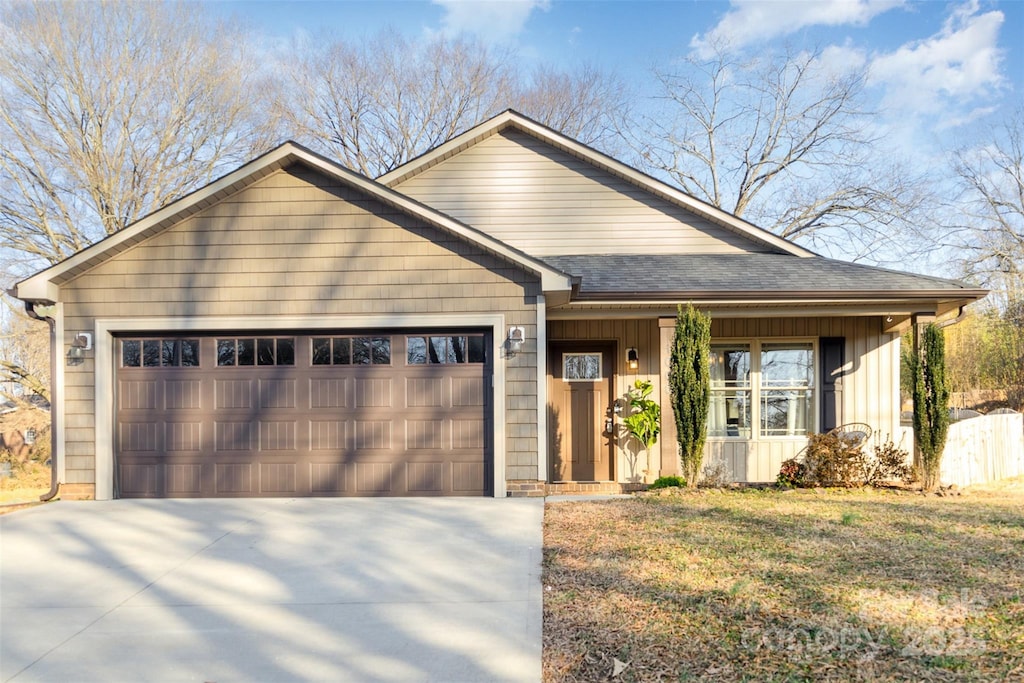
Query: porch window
{"type": "Point", "coordinates": [787, 389]}
{"type": "Point", "coordinates": [767, 384]}
{"type": "Point", "coordinates": [729, 411]}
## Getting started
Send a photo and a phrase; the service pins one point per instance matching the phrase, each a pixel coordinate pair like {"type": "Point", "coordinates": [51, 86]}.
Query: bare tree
{"type": "Point", "coordinates": [782, 142]}
{"type": "Point", "coordinates": [586, 103]}
{"type": "Point", "coordinates": [377, 103]}
{"type": "Point", "coordinates": [111, 110]}
{"type": "Point", "coordinates": [990, 208]}
{"type": "Point", "coordinates": [108, 111]}
{"type": "Point", "coordinates": [24, 355]}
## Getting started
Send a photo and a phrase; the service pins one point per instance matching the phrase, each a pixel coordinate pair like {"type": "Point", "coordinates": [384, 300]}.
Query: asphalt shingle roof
{"type": "Point", "coordinates": [622, 274]}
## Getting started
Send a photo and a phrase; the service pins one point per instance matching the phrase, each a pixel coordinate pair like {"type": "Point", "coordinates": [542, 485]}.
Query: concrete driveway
{"type": "Point", "coordinates": [272, 590]}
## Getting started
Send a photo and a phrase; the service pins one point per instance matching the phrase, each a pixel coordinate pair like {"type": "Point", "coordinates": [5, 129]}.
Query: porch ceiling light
{"type": "Point", "coordinates": [632, 359]}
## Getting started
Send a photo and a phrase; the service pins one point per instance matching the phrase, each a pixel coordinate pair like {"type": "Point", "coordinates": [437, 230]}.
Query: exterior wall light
{"type": "Point", "coordinates": [79, 345]}
{"type": "Point", "coordinates": [632, 359]}
{"type": "Point", "coordinates": [514, 343]}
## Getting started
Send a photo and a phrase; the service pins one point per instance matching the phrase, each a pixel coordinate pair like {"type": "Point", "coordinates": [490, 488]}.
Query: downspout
{"type": "Point", "coordinates": [54, 402]}
{"type": "Point", "coordinates": [961, 314]}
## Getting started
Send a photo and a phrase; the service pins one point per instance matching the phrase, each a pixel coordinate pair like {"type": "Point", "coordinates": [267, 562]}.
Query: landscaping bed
{"type": "Point", "coordinates": [804, 585]}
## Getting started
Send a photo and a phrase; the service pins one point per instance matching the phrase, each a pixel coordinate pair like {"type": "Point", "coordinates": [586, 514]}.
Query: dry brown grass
{"type": "Point", "coordinates": [28, 481]}
{"type": "Point", "coordinates": [801, 586]}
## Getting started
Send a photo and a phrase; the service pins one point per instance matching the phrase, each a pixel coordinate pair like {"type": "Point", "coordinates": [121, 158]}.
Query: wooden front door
{"type": "Point", "coordinates": [580, 411]}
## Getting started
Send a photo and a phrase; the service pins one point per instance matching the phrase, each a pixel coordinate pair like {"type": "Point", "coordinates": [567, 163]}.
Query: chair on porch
{"type": "Point", "coordinates": [852, 434]}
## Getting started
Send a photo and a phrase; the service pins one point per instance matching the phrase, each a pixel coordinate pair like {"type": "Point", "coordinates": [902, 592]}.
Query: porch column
{"type": "Point", "coordinates": [669, 443]}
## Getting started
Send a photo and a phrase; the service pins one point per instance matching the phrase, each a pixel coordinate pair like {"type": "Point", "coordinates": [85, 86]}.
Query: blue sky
{"type": "Point", "coordinates": [937, 68]}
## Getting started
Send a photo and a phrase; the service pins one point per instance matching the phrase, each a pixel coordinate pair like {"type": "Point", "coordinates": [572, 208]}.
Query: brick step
{"type": "Point", "coordinates": [569, 488]}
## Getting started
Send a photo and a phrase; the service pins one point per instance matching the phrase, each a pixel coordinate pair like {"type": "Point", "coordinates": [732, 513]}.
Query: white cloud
{"type": "Point", "coordinates": [753, 21]}
{"type": "Point", "coordinates": [839, 60]}
{"type": "Point", "coordinates": [951, 69]}
{"type": "Point", "coordinates": [495, 21]}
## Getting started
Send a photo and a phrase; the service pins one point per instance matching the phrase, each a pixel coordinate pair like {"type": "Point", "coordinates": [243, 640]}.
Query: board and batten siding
{"type": "Point", "coordinates": [548, 202]}
{"type": "Point", "coordinates": [639, 334]}
{"type": "Point", "coordinates": [871, 391]}
{"type": "Point", "coordinates": [870, 381]}
{"type": "Point", "coordinates": [297, 243]}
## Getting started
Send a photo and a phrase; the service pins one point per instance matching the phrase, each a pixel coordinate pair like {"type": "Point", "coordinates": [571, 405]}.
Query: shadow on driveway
{"type": "Point", "coordinates": [272, 590]}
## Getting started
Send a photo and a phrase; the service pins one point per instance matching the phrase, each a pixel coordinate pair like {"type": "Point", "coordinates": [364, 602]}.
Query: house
{"type": "Point", "coordinates": [463, 325]}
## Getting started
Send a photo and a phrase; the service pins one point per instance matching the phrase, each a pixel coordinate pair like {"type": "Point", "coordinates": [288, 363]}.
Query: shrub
{"type": "Point", "coordinates": [644, 419]}
{"type": "Point", "coordinates": [715, 476]}
{"type": "Point", "coordinates": [689, 387]}
{"type": "Point", "coordinates": [931, 403]}
{"type": "Point", "coordinates": [792, 473]}
{"type": "Point", "coordinates": [831, 460]}
{"type": "Point", "coordinates": [667, 482]}
{"type": "Point", "coordinates": [890, 463]}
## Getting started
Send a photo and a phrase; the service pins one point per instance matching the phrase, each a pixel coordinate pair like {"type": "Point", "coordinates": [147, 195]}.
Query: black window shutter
{"type": "Point", "coordinates": [833, 357]}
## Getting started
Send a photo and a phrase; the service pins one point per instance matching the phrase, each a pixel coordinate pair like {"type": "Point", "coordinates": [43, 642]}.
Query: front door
{"type": "Point", "coordinates": [580, 412]}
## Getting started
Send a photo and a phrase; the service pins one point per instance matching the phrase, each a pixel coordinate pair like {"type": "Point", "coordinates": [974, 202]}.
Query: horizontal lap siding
{"type": "Point", "coordinates": [296, 243]}
{"type": "Point", "coordinates": [547, 202]}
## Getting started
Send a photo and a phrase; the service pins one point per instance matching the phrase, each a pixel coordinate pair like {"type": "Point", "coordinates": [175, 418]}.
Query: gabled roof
{"type": "Point", "coordinates": [511, 119]}
{"type": "Point", "coordinates": [44, 286]}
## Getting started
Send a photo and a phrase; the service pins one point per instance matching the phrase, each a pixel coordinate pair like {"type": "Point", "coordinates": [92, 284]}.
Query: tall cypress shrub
{"type": "Point", "coordinates": [931, 403]}
{"type": "Point", "coordinates": [690, 387]}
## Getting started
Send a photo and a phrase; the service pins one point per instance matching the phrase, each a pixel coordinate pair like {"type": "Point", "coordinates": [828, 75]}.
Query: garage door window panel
{"type": "Point", "coordinates": [351, 351]}
{"type": "Point", "coordinates": [156, 353]}
{"type": "Point", "coordinates": [438, 350]}
{"type": "Point", "coordinates": [261, 351]}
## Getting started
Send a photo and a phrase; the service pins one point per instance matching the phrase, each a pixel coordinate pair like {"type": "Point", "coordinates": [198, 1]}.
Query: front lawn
{"type": "Point", "coordinates": [799, 586]}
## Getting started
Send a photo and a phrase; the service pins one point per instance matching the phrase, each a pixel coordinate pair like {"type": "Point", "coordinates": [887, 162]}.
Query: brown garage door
{"type": "Point", "coordinates": [324, 414]}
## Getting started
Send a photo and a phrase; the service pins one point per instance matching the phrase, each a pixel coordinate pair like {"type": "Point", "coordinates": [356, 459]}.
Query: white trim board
{"type": "Point", "coordinates": [105, 366]}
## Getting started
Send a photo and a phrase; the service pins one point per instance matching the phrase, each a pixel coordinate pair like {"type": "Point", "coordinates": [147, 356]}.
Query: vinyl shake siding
{"type": "Point", "coordinates": [547, 202]}
{"type": "Point", "coordinates": [299, 244]}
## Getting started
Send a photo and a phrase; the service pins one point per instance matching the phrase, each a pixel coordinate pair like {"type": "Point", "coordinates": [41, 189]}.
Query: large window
{"type": "Point", "coordinates": [730, 410]}
{"type": "Point", "coordinates": [767, 385]}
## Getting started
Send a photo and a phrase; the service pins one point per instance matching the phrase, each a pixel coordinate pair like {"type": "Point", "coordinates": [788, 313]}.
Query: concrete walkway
{"type": "Point", "coordinates": [272, 590]}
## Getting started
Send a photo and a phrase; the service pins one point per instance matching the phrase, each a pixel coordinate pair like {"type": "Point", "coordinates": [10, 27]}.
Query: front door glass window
{"type": "Point", "coordinates": [581, 367]}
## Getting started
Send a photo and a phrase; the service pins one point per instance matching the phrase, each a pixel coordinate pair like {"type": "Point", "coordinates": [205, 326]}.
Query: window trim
{"type": "Point", "coordinates": [755, 345]}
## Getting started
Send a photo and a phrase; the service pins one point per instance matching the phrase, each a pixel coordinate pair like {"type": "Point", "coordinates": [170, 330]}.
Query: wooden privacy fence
{"type": "Point", "coordinates": [979, 450]}
{"type": "Point", "coordinates": [984, 449]}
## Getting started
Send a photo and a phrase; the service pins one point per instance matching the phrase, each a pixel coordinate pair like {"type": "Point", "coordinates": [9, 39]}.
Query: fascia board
{"type": "Point", "coordinates": [779, 296]}
{"type": "Point", "coordinates": [41, 286]}
{"type": "Point", "coordinates": [551, 278]}
{"type": "Point", "coordinates": [273, 159]}
{"type": "Point", "coordinates": [599, 159]}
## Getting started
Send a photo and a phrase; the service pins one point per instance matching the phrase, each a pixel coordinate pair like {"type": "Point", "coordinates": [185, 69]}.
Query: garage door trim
{"type": "Point", "coordinates": [106, 366]}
